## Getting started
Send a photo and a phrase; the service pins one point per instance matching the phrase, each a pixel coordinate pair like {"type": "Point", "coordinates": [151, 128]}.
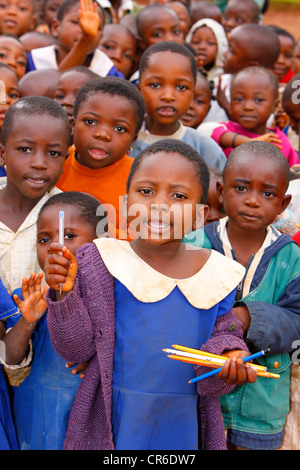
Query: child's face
{"type": "Point", "coordinates": [67, 88]}
{"type": "Point", "coordinates": [165, 192]}
{"type": "Point", "coordinates": [205, 44]}
{"type": "Point", "coordinates": [68, 31]}
{"type": "Point", "coordinates": [76, 232]}
{"type": "Point", "coordinates": [167, 86]}
{"type": "Point", "coordinates": [235, 14]}
{"type": "Point", "coordinates": [50, 10]}
{"type": "Point", "coordinates": [183, 15]}
{"type": "Point", "coordinates": [296, 59]}
{"type": "Point", "coordinates": [216, 208]}
{"type": "Point", "coordinates": [253, 194]}
{"type": "Point", "coordinates": [120, 47]}
{"type": "Point", "coordinates": [293, 111]}
{"type": "Point", "coordinates": [16, 16]}
{"type": "Point", "coordinates": [199, 106]}
{"type": "Point", "coordinates": [237, 56]}
{"type": "Point", "coordinates": [252, 101]}
{"type": "Point", "coordinates": [13, 54]}
{"type": "Point", "coordinates": [34, 154]}
{"type": "Point", "coordinates": [284, 62]}
{"type": "Point", "coordinates": [104, 130]}
{"type": "Point", "coordinates": [161, 26]}
{"type": "Point", "coordinates": [12, 93]}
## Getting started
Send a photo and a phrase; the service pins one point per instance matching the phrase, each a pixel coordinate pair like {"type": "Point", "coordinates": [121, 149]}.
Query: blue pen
{"type": "Point", "coordinates": [216, 371]}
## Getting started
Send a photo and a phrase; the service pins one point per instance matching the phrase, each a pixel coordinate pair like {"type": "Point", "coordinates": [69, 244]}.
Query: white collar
{"type": "Point", "coordinates": [218, 277]}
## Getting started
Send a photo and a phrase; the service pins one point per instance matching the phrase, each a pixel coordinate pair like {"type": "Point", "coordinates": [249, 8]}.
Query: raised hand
{"type": "Point", "coordinates": [88, 18]}
{"type": "Point", "coordinates": [33, 306]}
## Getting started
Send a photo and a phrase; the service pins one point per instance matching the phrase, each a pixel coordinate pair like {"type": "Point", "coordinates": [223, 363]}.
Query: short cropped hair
{"type": "Point", "coordinates": [87, 205]}
{"type": "Point", "coordinates": [114, 86]}
{"type": "Point", "coordinates": [170, 46]}
{"type": "Point", "coordinates": [259, 149]}
{"type": "Point", "coordinates": [143, 14]}
{"type": "Point", "coordinates": [176, 147]}
{"type": "Point", "coordinates": [34, 106]}
{"type": "Point", "coordinates": [281, 32]}
{"type": "Point", "coordinates": [260, 71]}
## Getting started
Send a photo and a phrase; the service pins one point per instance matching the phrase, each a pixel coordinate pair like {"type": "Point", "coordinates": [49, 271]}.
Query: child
{"type": "Point", "coordinates": [48, 13]}
{"type": "Point", "coordinates": [296, 58]}
{"type": "Point", "coordinates": [119, 43]}
{"type": "Point", "coordinates": [239, 12]}
{"type": "Point", "coordinates": [250, 45]}
{"type": "Point", "coordinates": [168, 72]}
{"type": "Point", "coordinates": [12, 93]}
{"type": "Point", "coordinates": [283, 65]}
{"type": "Point", "coordinates": [254, 93]}
{"type": "Point", "coordinates": [12, 53]}
{"type": "Point", "coordinates": [216, 208]}
{"type": "Point", "coordinates": [108, 114]}
{"type": "Point", "coordinates": [40, 82]}
{"type": "Point", "coordinates": [8, 436]}
{"type": "Point", "coordinates": [146, 402]}
{"type": "Point", "coordinates": [50, 388]}
{"type": "Point", "coordinates": [200, 104]}
{"type": "Point", "coordinates": [68, 85]}
{"type": "Point", "coordinates": [42, 130]}
{"type": "Point", "coordinates": [78, 30]}
{"type": "Point", "coordinates": [209, 40]}
{"type": "Point", "coordinates": [182, 11]}
{"type": "Point", "coordinates": [157, 23]}
{"type": "Point", "coordinates": [17, 17]}
{"type": "Point", "coordinates": [203, 9]}
{"type": "Point", "coordinates": [253, 192]}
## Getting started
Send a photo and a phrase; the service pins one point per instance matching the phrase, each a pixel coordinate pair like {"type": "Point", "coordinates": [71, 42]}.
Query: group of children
{"type": "Point", "coordinates": [169, 141]}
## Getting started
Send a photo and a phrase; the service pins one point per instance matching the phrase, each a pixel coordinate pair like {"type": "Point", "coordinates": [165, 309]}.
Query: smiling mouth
{"type": "Point", "coordinates": [36, 181]}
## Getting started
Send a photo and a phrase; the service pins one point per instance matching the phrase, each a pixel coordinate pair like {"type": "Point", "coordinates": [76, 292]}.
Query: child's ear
{"type": "Point", "coordinates": [124, 205]}
{"type": "Point", "coordinates": [201, 216]}
{"type": "Point", "coordinates": [285, 202]}
{"type": "Point", "coordinates": [2, 155]}
{"type": "Point", "coordinates": [54, 27]}
{"type": "Point", "coordinates": [220, 189]}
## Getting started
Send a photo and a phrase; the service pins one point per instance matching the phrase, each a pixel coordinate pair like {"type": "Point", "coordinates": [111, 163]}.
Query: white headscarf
{"type": "Point", "coordinates": [221, 39]}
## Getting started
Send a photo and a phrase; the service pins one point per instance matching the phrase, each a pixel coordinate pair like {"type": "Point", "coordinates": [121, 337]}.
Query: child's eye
{"type": "Point", "coordinates": [89, 121]}
{"type": "Point", "coordinates": [120, 129]}
{"type": "Point", "coordinates": [54, 154]}
{"type": "Point", "coordinates": [24, 149]}
{"type": "Point", "coordinates": [240, 188]}
{"type": "Point", "coordinates": [21, 63]}
{"type": "Point", "coordinates": [177, 32]}
{"type": "Point", "coordinates": [259, 100]}
{"type": "Point", "coordinates": [179, 196]}
{"type": "Point", "coordinates": [182, 87]}
{"type": "Point", "coordinates": [70, 236]}
{"type": "Point", "coordinates": [2, 55]}
{"type": "Point", "coordinates": [154, 85]}
{"type": "Point", "coordinates": [13, 95]}
{"type": "Point", "coordinates": [145, 191]}
{"type": "Point", "coordinates": [269, 194]}
{"type": "Point", "coordinates": [44, 240]}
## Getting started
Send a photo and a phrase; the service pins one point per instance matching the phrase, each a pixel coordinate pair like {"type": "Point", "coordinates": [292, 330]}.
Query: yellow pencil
{"type": "Point", "coordinates": [203, 353]}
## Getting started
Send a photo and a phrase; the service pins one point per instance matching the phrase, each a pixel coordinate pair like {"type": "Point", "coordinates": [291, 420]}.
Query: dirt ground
{"type": "Point", "coordinates": [286, 16]}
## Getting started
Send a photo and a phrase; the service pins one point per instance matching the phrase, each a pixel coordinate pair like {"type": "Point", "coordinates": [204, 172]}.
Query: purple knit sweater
{"type": "Point", "coordinates": [82, 327]}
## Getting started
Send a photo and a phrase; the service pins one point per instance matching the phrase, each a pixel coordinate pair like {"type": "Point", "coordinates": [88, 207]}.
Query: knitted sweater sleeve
{"type": "Point", "coordinates": [70, 321]}
{"type": "Point", "coordinates": [227, 336]}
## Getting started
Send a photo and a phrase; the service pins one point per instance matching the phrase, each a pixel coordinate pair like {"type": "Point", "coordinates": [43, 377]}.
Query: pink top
{"type": "Point", "coordinates": [288, 151]}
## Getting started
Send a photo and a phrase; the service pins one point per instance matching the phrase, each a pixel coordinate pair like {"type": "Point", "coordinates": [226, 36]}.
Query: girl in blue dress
{"type": "Point", "coordinates": [164, 292]}
{"type": "Point", "coordinates": [43, 401]}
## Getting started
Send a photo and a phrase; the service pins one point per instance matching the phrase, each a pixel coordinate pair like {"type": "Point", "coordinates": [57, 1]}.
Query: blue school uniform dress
{"type": "Point", "coordinates": [8, 437]}
{"type": "Point", "coordinates": [43, 401]}
{"type": "Point", "coordinates": [153, 312]}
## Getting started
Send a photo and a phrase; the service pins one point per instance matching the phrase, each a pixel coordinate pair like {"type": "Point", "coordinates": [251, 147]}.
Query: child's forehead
{"type": "Point", "coordinates": [158, 17]}
{"type": "Point", "coordinates": [10, 44]}
{"type": "Point", "coordinates": [245, 166]}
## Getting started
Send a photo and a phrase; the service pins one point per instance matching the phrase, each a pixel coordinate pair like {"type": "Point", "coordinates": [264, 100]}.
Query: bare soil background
{"type": "Point", "coordinates": [286, 16]}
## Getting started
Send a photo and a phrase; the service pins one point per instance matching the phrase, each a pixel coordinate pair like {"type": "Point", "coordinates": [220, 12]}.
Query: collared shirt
{"type": "Point", "coordinates": [18, 256]}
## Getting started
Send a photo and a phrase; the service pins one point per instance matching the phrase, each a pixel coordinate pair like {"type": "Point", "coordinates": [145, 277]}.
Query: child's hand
{"type": "Point", "coordinates": [222, 99]}
{"type": "Point", "coordinates": [79, 369]}
{"type": "Point", "coordinates": [33, 306]}
{"type": "Point", "coordinates": [60, 268]}
{"type": "Point", "coordinates": [88, 18]}
{"type": "Point", "coordinates": [271, 138]}
{"type": "Point", "coordinates": [235, 371]}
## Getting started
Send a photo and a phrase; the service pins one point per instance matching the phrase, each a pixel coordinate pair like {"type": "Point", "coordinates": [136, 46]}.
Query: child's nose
{"type": "Point", "coordinates": [253, 199]}
{"type": "Point", "coordinates": [168, 93]}
{"type": "Point", "coordinates": [39, 160]}
{"type": "Point", "coordinates": [103, 133]}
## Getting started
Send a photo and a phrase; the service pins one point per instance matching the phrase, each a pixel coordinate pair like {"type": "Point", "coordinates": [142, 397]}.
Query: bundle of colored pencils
{"type": "Point", "coordinates": [195, 356]}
